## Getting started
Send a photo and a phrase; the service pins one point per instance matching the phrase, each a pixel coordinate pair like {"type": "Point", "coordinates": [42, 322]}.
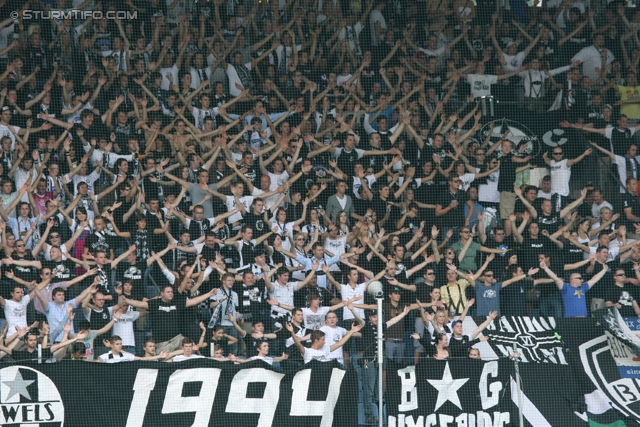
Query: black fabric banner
{"type": "Point", "coordinates": [583, 387]}
{"type": "Point", "coordinates": [193, 393]}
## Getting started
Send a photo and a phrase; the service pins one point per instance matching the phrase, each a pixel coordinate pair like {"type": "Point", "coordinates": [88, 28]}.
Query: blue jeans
{"type": "Point", "coordinates": [551, 306]}
{"type": "Point", "coordinates": [369, 385]}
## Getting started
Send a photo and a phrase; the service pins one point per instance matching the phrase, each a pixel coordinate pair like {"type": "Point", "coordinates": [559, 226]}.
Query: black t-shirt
{"type": "Point", "coordinates": [165, 319]}
{"type": "Point", "coordinates": [25, 273]}
{"type": "Point", "coordinates": [459, 347]}
{"type": "Point", "coordinates": [551, 223]}
{"type": "Point", "coordinates": [507, 173]}
{"type": "Point", "coordinates": [257, 224]}
{"type": "Point", "coordinates": [455, 217]}
{"type": "Point", "coordinates": [368, 343]}
{"type": "Point", "coordinates": [631, 201]}
{"type": "Point", "coordinates": [601, 289]}
{"type": "Point", "coordinates": [26, 355]}
{"type": "Point", "coordinates": [531, 248]}
{"type": "Point", "coordinates": [63, 271]}
{"type": "Point", "coordinates": [513, 298]}
{"type": "Point", "coordinates": [98, 241]}
{"type": "Point", "coordinates": [135, 274]}
{"type": "Point", "coordinates": [624, 297]}
{"type": "Point", "coordinates": [223, 342]}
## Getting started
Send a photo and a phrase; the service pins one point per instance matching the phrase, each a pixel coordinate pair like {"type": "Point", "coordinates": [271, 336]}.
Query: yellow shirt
{"type": "Point", "coordinates": [451, 296]}
{"type": "Point", "coordinates": [626, 93]}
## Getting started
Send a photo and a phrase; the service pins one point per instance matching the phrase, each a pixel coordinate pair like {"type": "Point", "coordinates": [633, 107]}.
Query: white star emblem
{"type": "Point", "coordinates": [447, 388]}
{"type": "Point", "coordinates": [18, 386]}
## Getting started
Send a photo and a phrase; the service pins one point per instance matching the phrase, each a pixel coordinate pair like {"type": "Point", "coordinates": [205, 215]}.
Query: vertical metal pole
{"type": "Point", "coordinates": [380, 361]}
{"type": "Point", "coordinates": [515, 361]}
{"type": "Point", "coordinates": [39, 353]}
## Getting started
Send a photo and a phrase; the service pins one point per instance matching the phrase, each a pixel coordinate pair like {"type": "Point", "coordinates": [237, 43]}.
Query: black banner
{"type": "Point", "coordinates": [192, 393]}
{"type": "Point", "coordinates": [575, 383]}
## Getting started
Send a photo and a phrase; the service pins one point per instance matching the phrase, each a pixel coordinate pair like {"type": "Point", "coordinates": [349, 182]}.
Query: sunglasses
{"type": "Point", "coordinates": [49, 273]}
{"type": "Point", "coordinates": [488, 275]}
{"type": "Point", "coordinates": [431, 274]}
{"type": "Point", "coordinates": [19, 246]}
{"type": "Point", "coordinates": [55, 236]}
{"type": "Point", "coordinates": [557, 154]}
{"type": "Point", "coordinates": [578, 278]}
{"type": "Point", "coordinates": [620, 275]}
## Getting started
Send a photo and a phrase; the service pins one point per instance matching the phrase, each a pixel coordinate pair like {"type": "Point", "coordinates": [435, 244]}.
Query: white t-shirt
{"type": "Point", "coordinates": [167, 73]}
{"type": "Point", "coordinates": [489, 192]}
{"type": "Point", "coordinates": [234, 78]}
{"type": "Point", "coordinates": [182, 357]}
{"type": "Point", "coordinates": [466, 180]}
{"type": "Point", "coordinates": [246, 201]}
{"type": "Point", "coordinates": [481, 84]}
{"type": "Point", "coordinates": [351, 33]}
{"type": "Point", "coordinates": [122, 357]}
{"type": "Point", "coordinates": [337, 246]}
{"type": "Point", "coordinates": [595, 208]}
{"type": "Point", "coordinates": [278, 180]}
{"type": "Point", "coordinates": [333, 336]}
{"type": "Point", "coordinates": [16, 314]}
{"type": "Point", "coordinates": [265, 359]}
{"type": "Point", "coordinates": [321, 355]}
{"type": "Point", "coordinates": [347, 293]}
{"type": "Point", "coordinates": [284, 295]}
{"type": "Point", "coordinates": [513, 62]}
{"type": "Point", "coordinates": [124, 326]}
{"type": "Point", "coordinates": [376, 17]}
{"type": "Point", "coordinates": [357, 183]}
{"type": "Point", "coordinates": [560, 175]}
{"type": "Point", "coordinates": [315, 320]}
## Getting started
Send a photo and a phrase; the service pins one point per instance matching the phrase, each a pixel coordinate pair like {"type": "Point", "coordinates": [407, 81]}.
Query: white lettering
{"type": "Point", "coordinates": [202, 404]}
{"type": "Point", "coordinates": [300, 406]}
{"type": "Point", "coordinates": [445, 420]}
{"type": "Point", "coordinates": [142, 387]}
{"type": "Point", "coordinates": [409, 392]}
{"type": "Point", "coordinates": [408, 421]}
{"type": "Point", "coordinates": [550, 355]}
{"type": "Point", "coordinates": [489, 400]}
{"type": "Point", "coordinates": [266, 405]}
{"type": "Point", "coordinates": [499, 419]}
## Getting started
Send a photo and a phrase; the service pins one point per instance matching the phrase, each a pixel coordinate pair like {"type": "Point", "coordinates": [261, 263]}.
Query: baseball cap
{"type": "Point", "coordinates": [5, 108]}
{"type": "Point", "coordinates": [395, 290]}
{"type": "Point", "coordinates": [455, 322]}
{"type": "Point", "coordinates": [370, 313]}
{"type": "Point", "coordinates": [511, 43]}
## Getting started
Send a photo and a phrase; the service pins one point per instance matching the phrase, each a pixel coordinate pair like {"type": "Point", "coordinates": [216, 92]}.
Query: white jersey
{"type": "Point", "coordinates": [321, 355]}
{"type": "Point", "coordinates": [284, 295]}
{"type": "Point", "coordinates": [333, 336]}
{"type": "Point", "coordinates": [347, 293]}
{"type": "Point", "coordinates": [315, 320]}
{"type": "Point", "coordinates": [560, 175]}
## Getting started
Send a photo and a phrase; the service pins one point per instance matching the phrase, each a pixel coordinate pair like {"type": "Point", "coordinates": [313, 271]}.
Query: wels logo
{"type": "Point", "coordinates": [550, 138]}
{"type": "Point", "coordinates": [29, 398]}
{"type": "Point", "coordinates": [526, 142]}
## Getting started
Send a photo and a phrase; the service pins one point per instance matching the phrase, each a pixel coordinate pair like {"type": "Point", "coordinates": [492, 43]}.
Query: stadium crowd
{"type": "Point", "coordinates": [232, 174]}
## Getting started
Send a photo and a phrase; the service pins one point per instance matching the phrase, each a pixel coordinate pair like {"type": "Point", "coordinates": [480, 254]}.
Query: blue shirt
{"type": "Point", "coordinates": [488, 298]}
{"type": "Point", "coordinates": [308, 263]}
{"type": "Point", "coordinates": [575, 300]}
{"type": "Point", "coordinates": [55, 316]}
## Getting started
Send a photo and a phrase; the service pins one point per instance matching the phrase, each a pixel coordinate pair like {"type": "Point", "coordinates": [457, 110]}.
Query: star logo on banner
{"type": "Point", "coordinates": [18, 386]}
{"type": "Point", "coordinates": [447, 388]}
